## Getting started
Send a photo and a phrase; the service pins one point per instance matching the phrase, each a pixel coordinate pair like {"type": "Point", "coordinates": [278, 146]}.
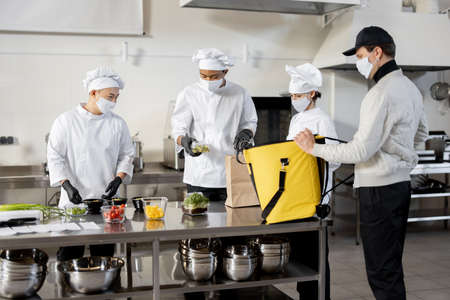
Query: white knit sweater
{"type": "Point", "coordinates": [392, 122]}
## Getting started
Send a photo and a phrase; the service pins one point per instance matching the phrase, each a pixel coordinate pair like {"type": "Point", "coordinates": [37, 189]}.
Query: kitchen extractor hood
{"type": "Point", "coordinates": [422, 39]}
{"type": "Point", "coordinates": [311, 7]}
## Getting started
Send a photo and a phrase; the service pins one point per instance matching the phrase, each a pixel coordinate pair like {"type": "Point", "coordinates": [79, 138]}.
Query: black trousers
{"type": "Point", "coordinates": [74, 252]}
{"type": "Point", "coordinates": [305, 251]}
{"type": "Point", "coordinates": [384, 216]}
{"type": "Point", "coordinates": [214, 194]}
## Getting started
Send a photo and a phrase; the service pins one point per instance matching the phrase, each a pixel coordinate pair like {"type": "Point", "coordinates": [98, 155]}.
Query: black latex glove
{"type": "Point", "coordinates": [186, 142]}
{"type": "Point", "coordinates": [322, 210]}
{"type": "Point", "coordinates": [111, 189]}
{"type": "Point", "coordinates": [72, 193]}
{"type": "Point", "coordinates": [243, 140]}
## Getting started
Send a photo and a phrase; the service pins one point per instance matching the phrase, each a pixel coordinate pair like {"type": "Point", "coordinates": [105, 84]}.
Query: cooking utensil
{"type": "Point", "coordinates": [274, 263]}
{"type": "Point", "coordinates": [117, 201]}
{"type": "Point", "coordinates": [239, 269]}
{"type": "Point", "coordinates": [201, 244]}
{"type": "Point", "coordinates": [22, 272]}
{"type": "Point", "coordinates": [24, 257]}
{"type": "Point", "coordinates": [21, 288]}
{"type": "Point", "coordinates": [241, 251]}
{"type": "Point", "coordinates": [94, 205]}
{"type": "Point", "coordinates": [199, 269]}
{"type": "Point", "coordinates": [91, 274]}
{"type": "Point", "coordinates": [274, 253]}
{"type": "Point", "coordinates": [18, 222]}
{"type": "Point", "coordinates": [138, 203]}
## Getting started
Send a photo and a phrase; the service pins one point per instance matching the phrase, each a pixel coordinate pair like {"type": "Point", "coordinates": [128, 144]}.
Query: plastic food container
{"type": "Point", "coordinates": [76, 211]}
{"type": "Point", "coordinates": [195, 209]}
{"type": "Point", "coordinates": [113, 214]}
{"type": "Point", "coordinates": [155, 208]}
{"type": "Point", "coordinates": [199, 147]}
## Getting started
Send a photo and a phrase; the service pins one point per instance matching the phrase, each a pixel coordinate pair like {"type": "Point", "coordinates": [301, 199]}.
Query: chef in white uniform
{"type": "Point", "coordinates": [214, 112]}
{"type": "Point", "coordinates": [305, 82]}
{"type": "Point", "coordinates": [90, 152]}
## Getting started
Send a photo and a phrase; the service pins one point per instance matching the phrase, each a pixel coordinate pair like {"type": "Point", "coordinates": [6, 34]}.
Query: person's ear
{"type": "Point", "coordinates": [378, 53]}
{"type": "Point", "coordinates": [312, 94]}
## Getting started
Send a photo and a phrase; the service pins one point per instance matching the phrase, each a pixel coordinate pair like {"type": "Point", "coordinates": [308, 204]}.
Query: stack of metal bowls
{"type": "Point", "coordinates": [91, 274]}
{"type": "Point", "coordinates": [199, 258]}
{"type": "Point", "coordinates": [22, 272]}
{"type": "Point", "coordinates": [240, 261]}
{"type": "Point", "coordinates": [274, 253]}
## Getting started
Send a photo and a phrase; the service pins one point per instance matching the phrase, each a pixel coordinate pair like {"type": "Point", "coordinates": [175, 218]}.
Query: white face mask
{"type": "Point", "coordinates": [105, 106]}
{"type": "Point", "coordinates": [364, 66]}
{"type": "Point", "coordinates": [211, 85]}
{"type": "Point", "coordinates": [301, 104]}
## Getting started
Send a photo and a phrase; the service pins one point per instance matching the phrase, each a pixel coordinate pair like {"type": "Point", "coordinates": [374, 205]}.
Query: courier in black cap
{"type": "Point", "coordinates": [378, 46]}
{"type": "Point", "coordinates": [392, 122]}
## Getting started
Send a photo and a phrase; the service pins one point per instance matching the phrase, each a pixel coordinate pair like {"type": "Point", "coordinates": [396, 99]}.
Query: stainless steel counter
{"type": "Point", "coordinates": [218, 222]}
{"type": "Point", "coordinates": [21, 177]}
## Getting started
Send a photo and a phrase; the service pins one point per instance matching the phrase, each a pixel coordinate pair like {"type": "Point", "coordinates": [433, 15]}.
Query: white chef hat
{"type": "Point", "coordinates": [101, 78]}
{"type": "Point", "coordinates": [211, 59]}
{"type": "Point", "coordinates": [304, 78]}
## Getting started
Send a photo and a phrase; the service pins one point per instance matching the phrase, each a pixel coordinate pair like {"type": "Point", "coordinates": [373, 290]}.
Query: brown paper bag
{"type": "Point", "coordinates": [240, 189]}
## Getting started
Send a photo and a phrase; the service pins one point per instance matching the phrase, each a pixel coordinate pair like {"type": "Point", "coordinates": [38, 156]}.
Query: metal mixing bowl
{"type": "Point", "coordinates": [91, 274]}
{"type": "Point", "coordinates": [275, 263]}
{"type": "Point", "coordinates": [241, 251]}
{"type": "Point", "coordinates": [24, 257]}
{"type": "Point", "coordinates": [21, 288]}
{"type": "Point", "coordinates": [194, 254]}
{"type": "Point", "coordinates": [239, 269]}
{"type": "Point", "coordinates": [22, 272]}
{"type": "Point", "coordinates": [199, 269]}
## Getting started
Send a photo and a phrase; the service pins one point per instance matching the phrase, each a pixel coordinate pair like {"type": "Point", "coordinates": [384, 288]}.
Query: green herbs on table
{"type": "Point", "coordinates": [47, 211]}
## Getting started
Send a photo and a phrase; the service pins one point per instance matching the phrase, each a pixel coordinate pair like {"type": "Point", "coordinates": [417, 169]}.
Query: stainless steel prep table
{"type": "Point", "coordinates": [422, 215]}
{"type": "Point", "coordinates": [219, 222]}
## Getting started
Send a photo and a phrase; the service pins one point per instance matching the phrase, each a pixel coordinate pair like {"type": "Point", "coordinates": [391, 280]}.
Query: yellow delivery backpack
{"type": "Point", "coordinates": [287, 180]}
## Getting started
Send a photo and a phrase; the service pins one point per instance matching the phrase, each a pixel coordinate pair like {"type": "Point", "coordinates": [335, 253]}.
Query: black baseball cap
{"type": "Point", "coordinates": [370, 36]}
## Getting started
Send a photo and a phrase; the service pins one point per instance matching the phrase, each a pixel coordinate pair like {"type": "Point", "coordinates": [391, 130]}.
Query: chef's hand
{"type": "Point", "coordinates": [186, 142]}
{"type": "Point", "coordinates": [72, 193]}
{"type": "Point", "coordinates": [243, 140]}
{"type": "Point", "coordinates": [111, 189]}
{"type": "Point", "coordinates": [305, 140]}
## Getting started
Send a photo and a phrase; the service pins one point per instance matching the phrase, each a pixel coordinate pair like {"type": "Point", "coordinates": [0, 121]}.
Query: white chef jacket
{"type": "Point", "coordinates": [320, 123]}
{"type": "Point", "coordinates": [213, 119]}
{"type": "Point", "coordinates": [88, 150]}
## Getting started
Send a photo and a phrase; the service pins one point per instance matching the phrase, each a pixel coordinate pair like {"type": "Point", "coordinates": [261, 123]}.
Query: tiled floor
{"type": "Point", "coordinates": [426, 264]}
